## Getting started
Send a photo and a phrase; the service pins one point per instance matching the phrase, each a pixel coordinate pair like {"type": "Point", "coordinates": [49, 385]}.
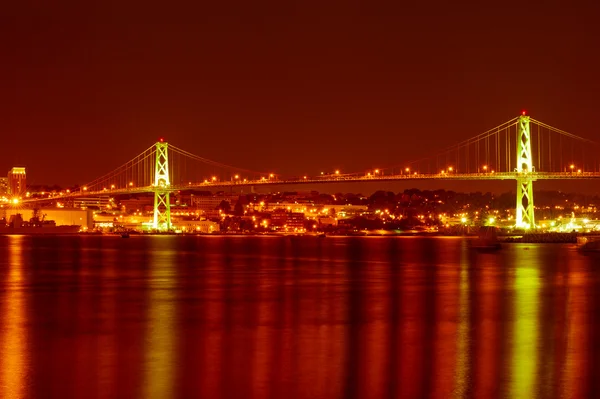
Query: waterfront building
{"type": "Point", "coordinates": [17, 182]}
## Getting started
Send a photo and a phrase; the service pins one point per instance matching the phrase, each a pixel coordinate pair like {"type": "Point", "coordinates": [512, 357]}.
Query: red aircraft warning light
{"type": "Point", "coordinates": [162, 139]}
{"type": "Point", "coordinates": [523, 112]}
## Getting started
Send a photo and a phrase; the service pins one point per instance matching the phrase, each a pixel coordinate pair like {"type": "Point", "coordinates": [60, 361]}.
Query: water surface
{"type": "Point", "coordinates": [295, 317]}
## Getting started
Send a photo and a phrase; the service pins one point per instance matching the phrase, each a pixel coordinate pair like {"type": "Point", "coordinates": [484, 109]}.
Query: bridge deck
{"type": "Point", "coordinates": [336, 179]}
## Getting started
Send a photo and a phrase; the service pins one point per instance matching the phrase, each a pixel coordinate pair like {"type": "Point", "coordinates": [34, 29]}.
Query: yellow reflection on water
{"type": "Point", "coordinates": [463, 356]}
{"type": "Point", "coordinates": [526, 284]}
{"type": "Point", "coordinates": [160, 337]}
{"type": "Point", "coordinates": [13, 344]}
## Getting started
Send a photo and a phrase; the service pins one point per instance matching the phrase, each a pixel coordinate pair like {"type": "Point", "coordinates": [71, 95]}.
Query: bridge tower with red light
{"type": "Point", "coordinates": [525, 214]}
{"type": "Point", "coordinates": [161, 185]}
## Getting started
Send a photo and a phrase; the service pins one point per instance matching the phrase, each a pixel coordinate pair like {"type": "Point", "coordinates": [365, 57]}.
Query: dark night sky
{"type": "Point", "coordinates": [291, 86]}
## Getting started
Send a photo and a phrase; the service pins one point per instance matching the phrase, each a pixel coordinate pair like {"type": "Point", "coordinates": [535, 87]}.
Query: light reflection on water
{"type": "Point", "coordinates": [13, 343]}
{"type": "Point", "coordinates": [274, 317]}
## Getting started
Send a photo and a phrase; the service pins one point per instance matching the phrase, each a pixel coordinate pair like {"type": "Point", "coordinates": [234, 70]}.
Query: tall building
{"type": "Point", "coordinates": [3, 185]}
{"type": "Point", "coordinates": [17, 182]}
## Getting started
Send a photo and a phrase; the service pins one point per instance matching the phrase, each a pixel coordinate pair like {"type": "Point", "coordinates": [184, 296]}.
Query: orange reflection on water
{"type": "Point", "coordinates": [488, 336]}
{"type": "Point", "coordinates": [13, 342]}
{"type": "Point", "coordinates": [373, 333]}
{"type": "Point", "coordinates": [412, 329]}
{"type": "Point", "coordinates": [446, 303]}
{"type": "Point", "coordinates": [578, 339]}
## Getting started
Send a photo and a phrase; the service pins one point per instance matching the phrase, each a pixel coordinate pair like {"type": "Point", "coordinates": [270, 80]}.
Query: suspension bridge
{"type": "Point", "coordinates": [522, 149]}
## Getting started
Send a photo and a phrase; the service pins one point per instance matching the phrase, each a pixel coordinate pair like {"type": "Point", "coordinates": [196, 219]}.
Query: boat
{"type": "Point", "coordinates": [487, 239]}
{"type": "Point", "coordinates": [588, 243]}
{"type": "Point", "coordinates": [36, 225]}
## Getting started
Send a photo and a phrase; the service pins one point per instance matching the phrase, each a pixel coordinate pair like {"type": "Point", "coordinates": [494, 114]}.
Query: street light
{"type": "Point", "coordinates": [572, 167]}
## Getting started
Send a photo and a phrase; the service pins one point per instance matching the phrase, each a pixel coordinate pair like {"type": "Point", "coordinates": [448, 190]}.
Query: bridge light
{"type": "Point", "coordinates": [271, 175]}
{"type": "Point", "coordinates": [485, 167]}
{"type": "Point", "coordinates": [450, 169]}
{"type": "Point", "coordinates": [337, 172]}
{"type": "Point", "coordinates": [572, 166]}
{"type": "Point", "coordinates": [161, 139]}
{"type": "Point", "coordinates": [214, 178]}
{"type": "Point", "coordinates": [376, 171]}
{"type": "Point", "coordinates": [369, 174]}
{"type": "Point", "coordinates": [523, 112]}
{"type": "Point", "coordinates": [304, 177]}
{"type": "Point", "coordinates": [15, 201]}
{"type": "Point", "coordinates": [578, 170]}
{"type": "Point", "coordinates": [112, 186]}
{"type": "Point", "coordinates": [130, 184]}
{"type": "Point", "coordinates": [236, 176]}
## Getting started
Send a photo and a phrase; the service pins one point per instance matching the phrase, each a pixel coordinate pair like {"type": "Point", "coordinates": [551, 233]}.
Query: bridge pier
{"type": "Point", "coordinates": [162, 204]}
{"type": "Point", "coordinates": [525, 211]}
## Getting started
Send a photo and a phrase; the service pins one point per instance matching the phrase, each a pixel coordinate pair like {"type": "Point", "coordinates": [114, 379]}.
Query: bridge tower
{"type": "Point", "coordinates": [162, 205]}
{"type": "Point", "coordinates": [525, 217]}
